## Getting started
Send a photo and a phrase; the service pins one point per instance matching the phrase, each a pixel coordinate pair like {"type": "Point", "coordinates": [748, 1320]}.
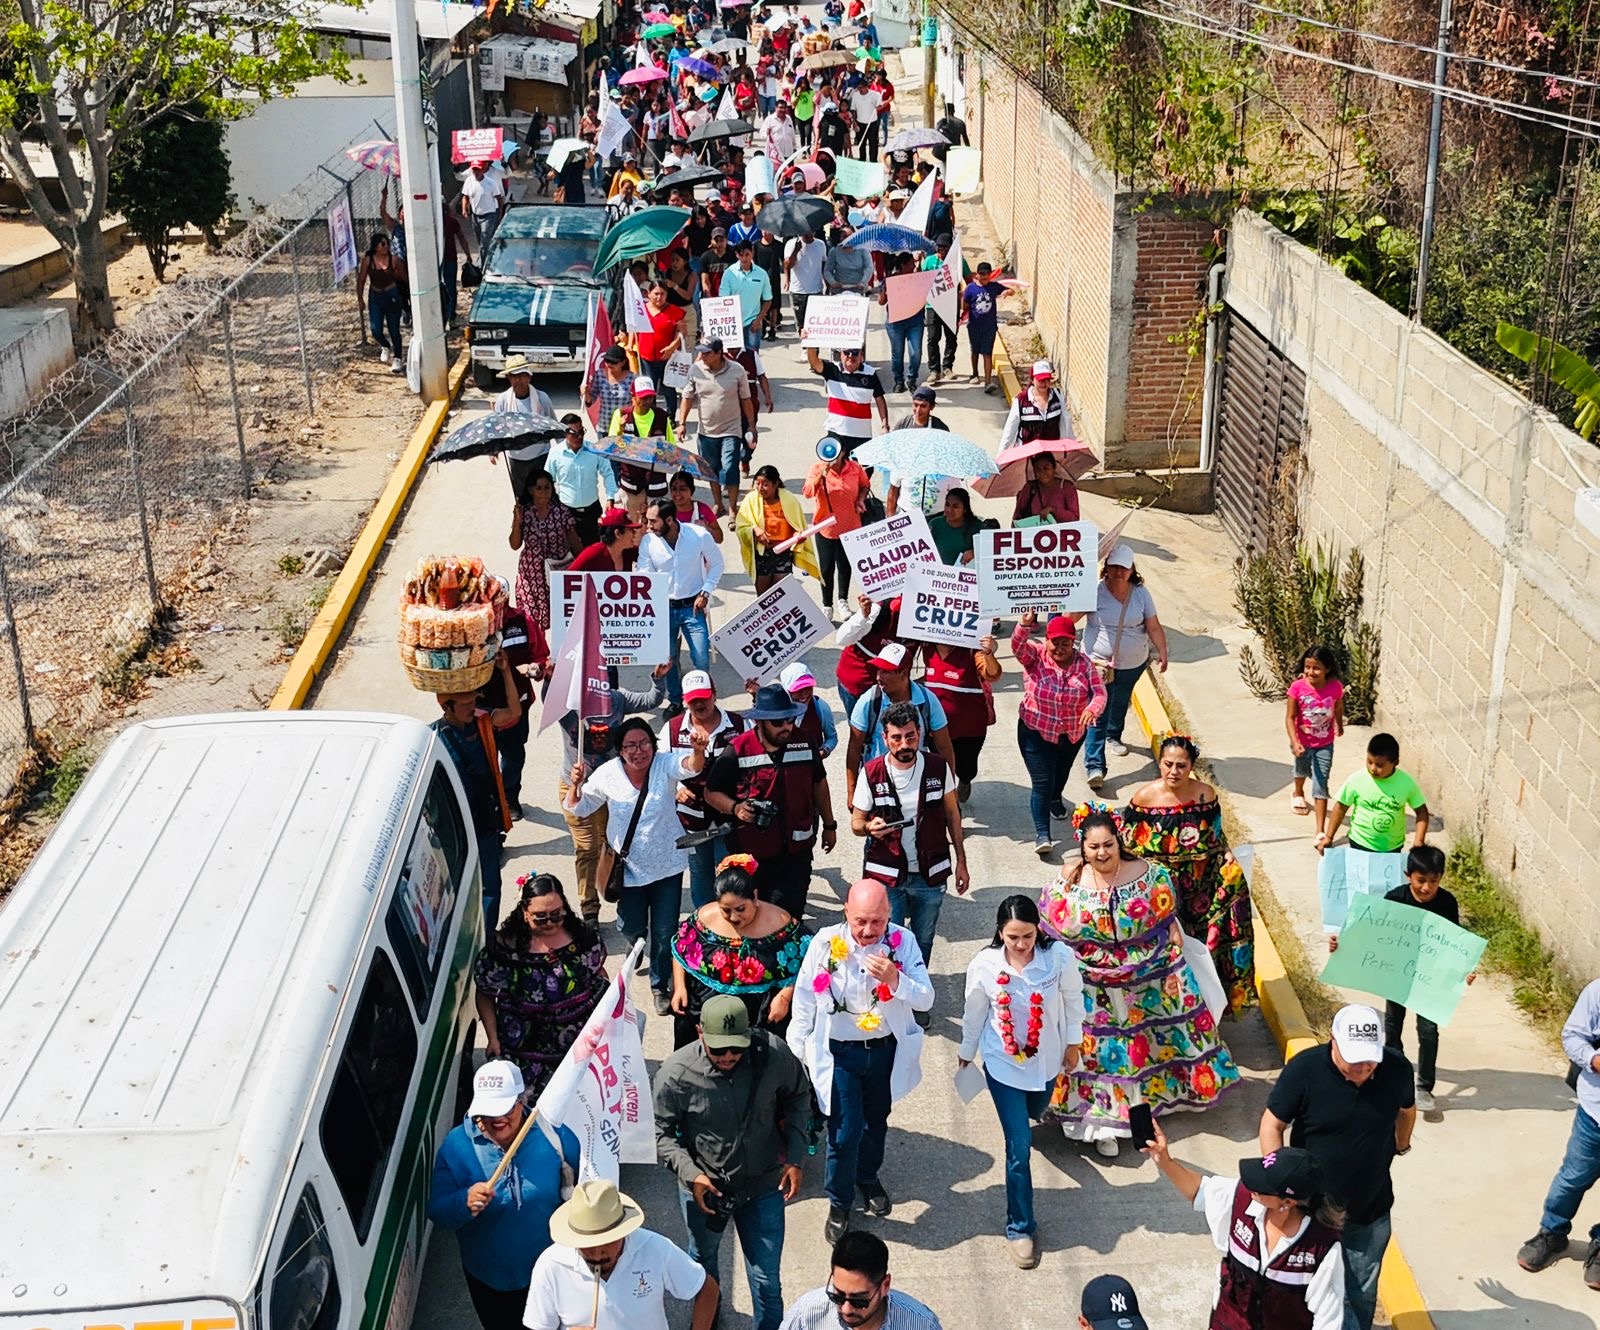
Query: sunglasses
{"type": "Point", "coordinates": [860, 1301]}
{"type": "Point", "coordinates": [546, 916]}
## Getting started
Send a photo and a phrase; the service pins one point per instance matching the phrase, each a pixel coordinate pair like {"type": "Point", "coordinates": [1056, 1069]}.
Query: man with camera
{"type": "Point", "coordinates": [731, 1116]}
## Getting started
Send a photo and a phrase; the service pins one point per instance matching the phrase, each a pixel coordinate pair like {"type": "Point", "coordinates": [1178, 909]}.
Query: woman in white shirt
{"type": "Point", "coordinates": [639, 789]}
{"type": "Point", "coordinates": [1024, 1014]}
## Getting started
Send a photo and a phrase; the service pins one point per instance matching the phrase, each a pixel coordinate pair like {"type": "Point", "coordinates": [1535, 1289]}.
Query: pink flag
{"type": "Point", "coordinates": [599, 341]}
{"type": "Point", "coordinates": [580, 681]}
{"type": "Point", "coordinates": [680, 129]}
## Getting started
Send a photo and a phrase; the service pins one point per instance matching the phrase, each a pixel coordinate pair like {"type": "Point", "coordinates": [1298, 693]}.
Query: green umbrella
{"type": "Point", "coordinates": [659, 30]}
{"type": "Point", "coordinates": [644, 233]}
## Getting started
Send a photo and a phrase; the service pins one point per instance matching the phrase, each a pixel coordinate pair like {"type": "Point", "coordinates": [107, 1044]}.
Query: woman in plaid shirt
{"type": "Point", "coordinates": [1062, 694]}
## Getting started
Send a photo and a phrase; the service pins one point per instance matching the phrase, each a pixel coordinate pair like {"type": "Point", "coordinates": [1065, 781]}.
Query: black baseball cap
{"type": "Point", "coordinates": [1109, 1303]}
{"type": "Point", "coordinates": [1289, 1172]}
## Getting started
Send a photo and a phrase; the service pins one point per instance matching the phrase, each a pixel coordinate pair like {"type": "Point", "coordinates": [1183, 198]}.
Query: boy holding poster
{"type": "Point", "coordinates": [1423, 889]}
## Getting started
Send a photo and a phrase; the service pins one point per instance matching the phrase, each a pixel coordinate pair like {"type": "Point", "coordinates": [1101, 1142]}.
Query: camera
{"type": "Point", "coordinates": [763, 811]}
{"type": "Point", "coordinates": [722, 1204]}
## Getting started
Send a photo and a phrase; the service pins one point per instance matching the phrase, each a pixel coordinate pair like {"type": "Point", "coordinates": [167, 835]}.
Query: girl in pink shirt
{"type": "Point", "coordinates": [1314, 717]}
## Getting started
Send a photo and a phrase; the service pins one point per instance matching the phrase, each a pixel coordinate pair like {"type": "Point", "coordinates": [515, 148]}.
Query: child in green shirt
{"type": "Point", "coordinates": [1377, 799]}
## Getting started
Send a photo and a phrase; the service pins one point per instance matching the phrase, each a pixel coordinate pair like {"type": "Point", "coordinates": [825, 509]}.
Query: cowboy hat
{"type": "Point", "coordinates": [517, 365]}
{"type": "Point", "coordinates": [597, 1214]}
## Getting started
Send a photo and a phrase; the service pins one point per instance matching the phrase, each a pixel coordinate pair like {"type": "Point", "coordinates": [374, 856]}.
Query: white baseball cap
{"type": "Point", "coordinates": [795, 676]}
{"type": "Point", "coordinates": [1121, 557]}
{"type": "Point", "coordinates": [891, 656]}
{"type": "Point", "coordinates": [697, 683]}
{"type": "Point", "coordinates": [1042, 369]}
{"type": "Point", "coordinates": [644, 386]}
{"type": "Point", "coordinates": [496, 1090]}
{"type": "Point", "coordinates": [1358, 1034]}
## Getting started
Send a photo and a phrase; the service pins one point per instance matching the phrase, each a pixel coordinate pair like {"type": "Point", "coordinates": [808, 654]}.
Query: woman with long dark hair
{"type": "Point", "coordinates": [381, 279]}
{"type": "Point", "coordinates": [1024, 1014]}
{"type": "Point", "coordinates": [1147, 1036]}
{"type": "Point", "coordinates": [538, 979]}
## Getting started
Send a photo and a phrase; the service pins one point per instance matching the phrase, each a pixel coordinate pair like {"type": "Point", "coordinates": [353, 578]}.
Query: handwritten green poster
{"type": "Point", "coordinates": [1405, 954]}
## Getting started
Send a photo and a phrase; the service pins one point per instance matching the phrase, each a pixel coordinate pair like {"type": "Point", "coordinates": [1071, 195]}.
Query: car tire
{"type": "Point", "coordinates": [484, 376]}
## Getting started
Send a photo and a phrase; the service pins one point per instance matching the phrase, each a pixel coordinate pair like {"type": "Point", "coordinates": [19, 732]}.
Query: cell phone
{"type": "Point", "coordinates": [1142, 1124]}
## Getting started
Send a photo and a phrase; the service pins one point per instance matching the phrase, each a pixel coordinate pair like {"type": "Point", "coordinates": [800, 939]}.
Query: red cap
{"type": "Point", "coordinates": [1060, 626]}
{"type": "Point", "coordinates": [614, 518]}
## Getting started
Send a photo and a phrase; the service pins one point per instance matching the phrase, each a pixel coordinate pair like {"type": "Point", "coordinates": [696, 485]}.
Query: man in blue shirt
{"type": "Point", "coordinates": [583, 479]}
{"type": "Point", "coordinates": [753, 287]}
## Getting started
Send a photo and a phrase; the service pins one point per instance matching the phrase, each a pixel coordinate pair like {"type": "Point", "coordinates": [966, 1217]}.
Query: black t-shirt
{"type": "Point", "coordinates": [570, 176]}
{"type": "Point", "coordinates": [832, 133]}
{"type": "Point", "coordinates": [724, 774]}
{"type": "Point", "coordinates": [698, 234]}
{"type": "Point", "coordinates": [1349, 1128]}
{"type": "Point", "coordinates": [1443, 903]}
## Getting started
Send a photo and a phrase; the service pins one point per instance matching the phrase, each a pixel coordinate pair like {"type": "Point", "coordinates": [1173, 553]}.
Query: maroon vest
{"type": "Point", "coordinates": [809, 726]}
{"type": "Point", "coordinates": [886, 858]}
{"type": "Point", "coordinates": [1275, 1298]}
{"type": "Point", "coordinates": [785, 779]}
{"type": "Point", "coordinates": [692, 815]}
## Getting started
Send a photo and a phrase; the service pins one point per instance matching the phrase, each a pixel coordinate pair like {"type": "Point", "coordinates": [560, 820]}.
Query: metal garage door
{"type": "Point", "coordinates": [1260, 414]}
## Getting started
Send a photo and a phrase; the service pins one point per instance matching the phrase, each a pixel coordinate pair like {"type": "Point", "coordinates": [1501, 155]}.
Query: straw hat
{"type": "Point", "coordinates": [517, 365]}
{"type": "Point", "coordinates": [597, 1214]}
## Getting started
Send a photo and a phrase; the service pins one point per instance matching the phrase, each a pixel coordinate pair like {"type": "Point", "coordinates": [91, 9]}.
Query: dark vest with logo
{"type": "Point", "coordinates": [1274, 1298]}
{"type": "Point", "coordinates": [693, 814]}
{"type": "Point", "coordinates": [642, 479]}
{"type": "Point", "coordinates": [886, 858]}
{"type": "Point", "coordinates": [784, 778]}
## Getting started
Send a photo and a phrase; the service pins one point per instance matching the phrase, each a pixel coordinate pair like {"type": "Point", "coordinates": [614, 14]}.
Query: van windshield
{"type": "Point", "coordinates": [538, 261]}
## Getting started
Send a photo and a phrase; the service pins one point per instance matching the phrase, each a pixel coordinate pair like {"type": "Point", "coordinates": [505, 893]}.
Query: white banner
{"type": "Point", "coordinates": [614, 128]}
{"type": "Point", "coordinates": [838, 322]}
{"type": "Point", "coordinates": [636, 313]}
{"type": "Point", "coordinates": [915, 213]}
{"type": "Point", "coordinates": [1047, 568]}
{"type": "Point", "coordinates": [940, 604]}
{"type": "Point", "coordinates": [881, 554]}
{"type": "Point", "coordinates": [342, 239]}
{"type": "Point", "coordinates": [601, 1090]}
{"type": "Point", "coordinates": [781, 626]}
{"type": "Point", "coordinates": [944, 296]}
{"type": "Point", "coordinates": [720, 316]}
{"type": "Point", "coordinates": [491, 77]}
{"type": "Point", "coordinates": [633, 613]}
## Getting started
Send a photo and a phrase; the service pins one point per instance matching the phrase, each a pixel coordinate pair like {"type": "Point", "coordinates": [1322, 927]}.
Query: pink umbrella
{"type": "Point", "coordinates": [644, 74]}
{"type": "Point", "coordinates": [1073, 458]}
{"type": "Point", "coordinates": [657, 16]}
{"type": "Point", "coordinates": [811, 173]}
{"type": "Point", "coordinates": [376, 155]}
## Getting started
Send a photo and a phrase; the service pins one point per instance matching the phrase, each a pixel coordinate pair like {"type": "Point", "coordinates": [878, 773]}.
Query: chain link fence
{"type": "Point", "coordinates": [117, 482]}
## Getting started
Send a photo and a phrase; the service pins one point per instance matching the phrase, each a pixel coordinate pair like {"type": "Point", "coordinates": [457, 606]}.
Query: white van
{"type": "Point", "coordinates": [232, 1018]}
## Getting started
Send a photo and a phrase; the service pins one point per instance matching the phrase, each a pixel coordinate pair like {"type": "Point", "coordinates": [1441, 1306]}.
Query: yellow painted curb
{"type": "Point", "coordinates": [1005, 371]}
{"type": "Point", "coordinates": [1286, 1018]}
{"type": "Point", "coordinates": [335, 612]}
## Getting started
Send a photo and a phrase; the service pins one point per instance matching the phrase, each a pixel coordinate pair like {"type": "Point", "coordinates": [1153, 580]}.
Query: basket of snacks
{"type": "Point", "coordinates": [451, 613]}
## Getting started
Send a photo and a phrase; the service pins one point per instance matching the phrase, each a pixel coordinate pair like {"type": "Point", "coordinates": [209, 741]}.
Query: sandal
{"type": "Point", "coordinates": [1299, 804]}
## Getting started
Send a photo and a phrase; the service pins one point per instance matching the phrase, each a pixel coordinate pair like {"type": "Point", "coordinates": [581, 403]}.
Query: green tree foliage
{"type": "Point", "coordinates": [173, 173]}
{"type": "Point", "coordinates": [79, 77]}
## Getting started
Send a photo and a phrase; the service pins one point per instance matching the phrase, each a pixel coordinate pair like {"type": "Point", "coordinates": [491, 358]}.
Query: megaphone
{"type": "Point", "coordinates": [829, 449]}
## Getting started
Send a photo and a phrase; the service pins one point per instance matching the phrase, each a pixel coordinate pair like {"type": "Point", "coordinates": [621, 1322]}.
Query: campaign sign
{"type": "Point", "coordinates": [1405, 954]}
{"type": "Point", "coordinates": [838, 322]}
{"type": "Point", "coordinates": [633, 613]}
{"type": "Point", "coordinates": [476, 145]}
{"type": "Point", "coordinates": [1048, 568]}
{"type": "Point", "coordinates": [881, 554]}
{"type": "Point", "coordinates": [779, 627]}
{"type": "Point", "coordinates": [1344, 873]}
{"type": "Point", "coordinates": [720, 316]}
{"type": "Point", "coordinates": [939, 603]}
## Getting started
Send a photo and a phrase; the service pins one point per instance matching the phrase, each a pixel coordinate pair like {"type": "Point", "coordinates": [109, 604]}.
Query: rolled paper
{"type": "Point", "coordinates": [816, 528]}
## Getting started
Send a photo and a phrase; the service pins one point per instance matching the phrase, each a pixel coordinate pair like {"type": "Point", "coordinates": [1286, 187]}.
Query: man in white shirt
{"type": "Point", "coordinates": [483, 198]}
{"type": "Point", "coordinates": [523, 399]}
{"type": "Point", "coordinates": [864, 107]}
{"type": "Point", "coordinates": [607, 1272]}
{"type": "Point", "coordinates": [803, 263]}
{"type": "Point", "coordinates": [860, 1042]}
{"type": "Point", "coordinates": [781, 134]}
{"type": "Point", "coordinates": [694, 563]}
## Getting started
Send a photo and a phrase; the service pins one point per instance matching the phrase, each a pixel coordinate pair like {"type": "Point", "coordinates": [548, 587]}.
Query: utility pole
{"type": "Point", "coordinates": [417, 182]}
{"type": "Point", "coordinates": [1431, 190]}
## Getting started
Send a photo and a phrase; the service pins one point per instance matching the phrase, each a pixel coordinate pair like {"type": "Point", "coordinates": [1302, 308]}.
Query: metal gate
{"type": "Point", "coordinates": [1260, 413]}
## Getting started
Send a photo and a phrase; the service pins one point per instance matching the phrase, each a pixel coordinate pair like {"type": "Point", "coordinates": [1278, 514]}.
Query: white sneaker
{"type": "Point", "coordinates": [1118, 747]}
{"type": "Point", "coordinates": [1096, 780]}
{"type": "Point", "coordinates": [383, 355]}
{"type": "Point", "coordinates": [1107, 1146]}
{"type": "Point", "coordinates": [1426, 1102]}
{"type": "Point", "coordinates": [1042, 848]}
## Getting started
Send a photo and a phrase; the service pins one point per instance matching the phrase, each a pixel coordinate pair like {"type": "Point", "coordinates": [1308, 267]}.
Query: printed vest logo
{"type": "Point", "coordinates": [1244, 1234]}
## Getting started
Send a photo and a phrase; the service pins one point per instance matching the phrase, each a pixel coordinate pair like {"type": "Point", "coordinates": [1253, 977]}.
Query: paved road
{"type": "Point", "coordinates": [946, 1232]}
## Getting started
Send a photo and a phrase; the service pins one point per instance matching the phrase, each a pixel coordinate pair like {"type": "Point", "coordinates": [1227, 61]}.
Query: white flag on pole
{"type": "Point", "coordinates": [944, 299]}
{"type": "Point", "coordinates": [636, 312]}
{"type": "Point", "coordinates": [614, 129]}
{"type": "Point", "coordinates": [601, 1090]}
{"type": "Point", "coordinates": [915, 213]}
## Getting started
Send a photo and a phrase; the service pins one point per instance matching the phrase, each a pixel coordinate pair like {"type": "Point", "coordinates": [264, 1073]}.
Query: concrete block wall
{"type": "Point", "coordinates": [1461, 496]}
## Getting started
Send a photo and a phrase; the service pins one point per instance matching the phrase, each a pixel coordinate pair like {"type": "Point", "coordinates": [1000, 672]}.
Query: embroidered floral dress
{"type": "Point", "coordinates": [753, 969]}
{"type": "Point", "coordinates": [543, 539]}
{"type": "Point", "coordinates": [1146, 1032]}
{"type": "Point", "coordinates": [1213, 896]}
{"type": "Point", "coordinates": [541, 1000]}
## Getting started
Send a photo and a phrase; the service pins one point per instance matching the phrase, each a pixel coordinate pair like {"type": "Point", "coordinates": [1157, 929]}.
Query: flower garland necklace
{"type": "Point", "coordinates": [838, 950]}
{"type": "Point", "coordinates": [1008, 1029]}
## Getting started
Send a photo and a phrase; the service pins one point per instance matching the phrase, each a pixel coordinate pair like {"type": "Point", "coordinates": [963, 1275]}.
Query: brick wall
{"type": "Point", "coordinates": [1485, 590]}
{"type": "Point", "coordinates": [1164, 379]}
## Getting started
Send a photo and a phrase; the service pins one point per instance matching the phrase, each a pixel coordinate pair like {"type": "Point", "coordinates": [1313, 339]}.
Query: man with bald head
{"type": "Point", "coordinates": [853, 1024]}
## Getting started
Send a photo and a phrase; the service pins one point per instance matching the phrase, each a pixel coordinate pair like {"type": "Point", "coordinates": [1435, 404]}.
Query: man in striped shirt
{"type": "Point", "coordinates": [854, 392]}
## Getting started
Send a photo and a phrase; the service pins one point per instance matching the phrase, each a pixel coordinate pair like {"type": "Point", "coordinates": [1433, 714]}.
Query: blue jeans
{"type": "Point", "coordinates": [1364, 1245]}
{"type": "Point", "coordinates": [847, 698]}
{"type": "Point", "coordinates": [703, 861]}
{"type": "Point", "coordinates": [691, 623]}
{"type": "Point", "coordinates": [859, 1120]}
{"type": "Point", "coordinates": [916, 905]}
{"type": "Point", "coordinates": [1110, 721]}
{"type": "Point", "coordinates": [1578, 1172]}
{"type": "Point", "coordinates": [1049, 765]}
{"type": "Point", "coordinates": [721, 453]}
{"type": "Point", "coordinates": [752, 336]}
{"type": "Point", "coordinates": [759, 1223]}
{"type": "Point", "coordinates": [489, 867]}
{"type": "Point", "coordinates": [905, 335]}
{"type": "Point", "coordinates": [383, 314]}
{"type": "Point", "coordinates": [1018, 1110]}
{"type": "Point", "coordinates": [653, 907]}
{"type": "Point", "coordinates": [1317, 763]}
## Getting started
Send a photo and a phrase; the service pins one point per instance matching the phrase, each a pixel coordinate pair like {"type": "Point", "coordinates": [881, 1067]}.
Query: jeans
{"type": "Point", "coordinates": [859, 1121]}
{"type": "Point", "coordinates": [916, 904]}
{"type": "Point", "coordinates": [1108, 725]}
{"type": "Point", "coordinates": [1363, 1254]}
{"type": "Point", "coordinates": [512, 745]}
{"type": "Point", "coordinates": [1578, 1172]}
{"type": "Point", "coordinates": [657, 370]}
{"type": "Point", "coordinates": [721, 453]}
{"type": "Point", "coordinates": [1018, 1110]}
{"type": "Point", "coordinates": [1394, 1026]}
{"type": "Point", "coordinates": [660, 901]}
{"type": "Point", "coordinates": [497, 1309]}
{"type": "Point", "coordinates": [759, 1223]}
{"type": "Point", "coordinates": [752, 336]}
{"type": "Point", "coordinates": [1049, 765]}
{"type": "Point", "coordinates": [447, 285]}
{"type": "Point", "coordinates": [848, 700]}
{"type": "Point", "coordinates": [383, 314]}
{"type": "Point", "coordinates": [489, 867]}
{"type": "Point", "coordinates": [487, 222]}
{"type": "Point", "coordinates": [835, 569]}
{"type": "Point", "coordinates": [1317, 763]}
{"type": "Point", "coordinates": [703, 861]}
{"type": "Point", "coordinates": [588, 836]}
{"type": "Point", "coordinates": [691, 623]}
{"type": "Point", "coordinates": [905, 335]}
{"type": "Point", "coordinates": [937, 331]}
{"type": "Point", "coordinates": [768, 104]}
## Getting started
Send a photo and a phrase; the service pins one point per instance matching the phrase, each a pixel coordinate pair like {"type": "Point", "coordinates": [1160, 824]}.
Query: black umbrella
{"type": "Point", "coordinates": [721, 129]}
{"type": "Point", "coordinates": [804, 214]}
{"type": "Point", "coordinates": [497, 432]}
{"type": "Point", "coordinates": [687, 178]}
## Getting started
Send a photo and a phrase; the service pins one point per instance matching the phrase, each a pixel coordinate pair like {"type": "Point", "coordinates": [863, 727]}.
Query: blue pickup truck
{"type": "Point", "coordinates": [538, 280]}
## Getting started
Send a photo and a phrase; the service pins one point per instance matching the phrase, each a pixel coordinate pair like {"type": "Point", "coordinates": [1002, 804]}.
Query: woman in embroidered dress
{"type": "Point", "coordinates": [538, 979]}
{"type": "Point", "coordinates": [1147, 1035]}
{"type": "Point", "coordinates": [1176, 822]}
{"type": "Point", "coordinates": [736, 944]}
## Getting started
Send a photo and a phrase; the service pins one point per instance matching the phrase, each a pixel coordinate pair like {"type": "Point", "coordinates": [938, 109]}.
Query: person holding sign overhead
{"type": "Point", "coordinates": [854, 393]}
